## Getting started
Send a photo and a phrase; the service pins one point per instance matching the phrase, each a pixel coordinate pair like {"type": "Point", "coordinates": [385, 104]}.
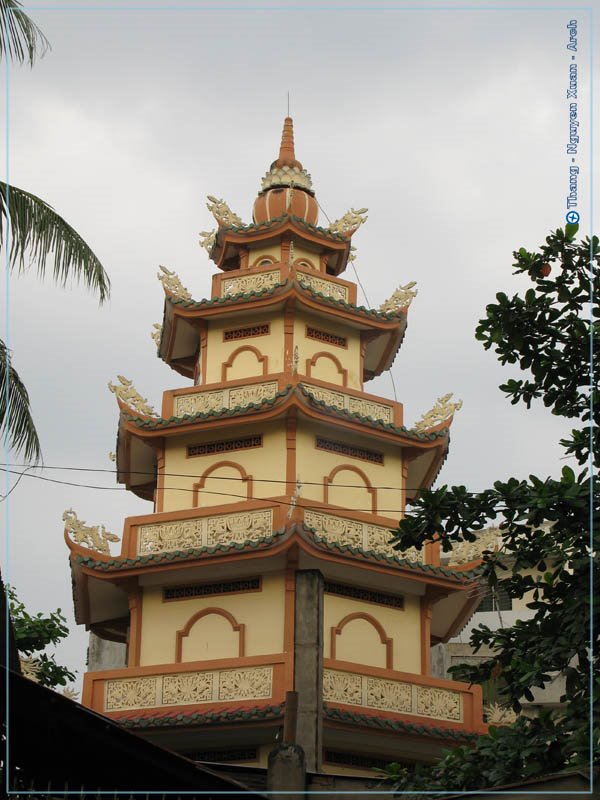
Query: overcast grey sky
{"type": "Point", "coordinates": [449, 124]}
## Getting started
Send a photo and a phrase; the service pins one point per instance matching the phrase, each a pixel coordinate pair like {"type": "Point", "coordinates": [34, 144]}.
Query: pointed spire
{"type": "Point", "coordinates": [287, 155]}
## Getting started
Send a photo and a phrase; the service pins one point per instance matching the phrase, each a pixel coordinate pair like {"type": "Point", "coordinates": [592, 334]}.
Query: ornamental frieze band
{"type": "Point", "coordinates": [204, 402]}
{"type": "Point", "coordinates": [188, 534]}
{"type": "Point", "coordinates": [187, 688]}
{"type": "Point", "coordinates": [401, 697]}
{"type": "Point", "coordinates": [359, 534]}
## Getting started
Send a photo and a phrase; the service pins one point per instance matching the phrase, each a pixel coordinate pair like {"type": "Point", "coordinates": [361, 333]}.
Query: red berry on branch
{"type": "Point", "coordinates": [545, 270]}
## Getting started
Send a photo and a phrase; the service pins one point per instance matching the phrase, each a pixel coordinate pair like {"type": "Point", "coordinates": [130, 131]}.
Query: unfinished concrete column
{"type": "Point", "coordinates": [308, 670]}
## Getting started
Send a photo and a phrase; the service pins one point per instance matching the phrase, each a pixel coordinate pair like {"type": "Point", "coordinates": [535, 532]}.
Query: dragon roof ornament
{"type": "Point", "coordinates": [350, 222]}
{"type": "Point", "coordinates": [401, 298]}
{"type": "Point", "coordinates": [442, 411]}
{"type": "Point", "coordinates": [128, 394]}
{"type": "Point", "coordinates": [207, 239]}
{"type": "Point", "coordinates": [156, 333]}
{"type": "Point", "coordinates": [172, 284]}
{"type": "Point", "coordinates": [224, 216]}
{"type": "Point", "coordinates": [30, 668]}
{"type": "Point", "coordinates": [94, 537]}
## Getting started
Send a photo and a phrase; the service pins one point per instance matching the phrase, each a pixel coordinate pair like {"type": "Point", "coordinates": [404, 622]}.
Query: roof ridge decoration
{"type": "Point", "coordinates": [401, 298]}
{"type": "Point", "coordinates": [372, 720]}
{"type": "Point", "coordinates": [93, 537]}
{"type": "Point", "coordinates": [172, 284]}
{"type": "Point", "coordinates": [167, 718]}
{"type": "Point", "coordinates": [442, 411]}
{"type": "Point", "coordinates": [156, 333]}
{"type": "Point", "coordinates": [224, 216]}
{"type": "Point", "coordinates": [350, 222]}
{"type": "Point", "coordinates": [127, 394]}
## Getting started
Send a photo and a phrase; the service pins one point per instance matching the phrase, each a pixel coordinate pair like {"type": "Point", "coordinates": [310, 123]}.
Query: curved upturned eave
{"type": "Point", "coordinates": [238, 236]}
{"type": "Point", "coordinates": [178, 313]}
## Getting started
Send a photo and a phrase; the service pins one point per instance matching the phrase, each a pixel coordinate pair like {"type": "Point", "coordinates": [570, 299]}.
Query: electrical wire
{"type": "Point", "coordinates": [153, 474]}
{"type": "Point", "coordinates": [362, 288]}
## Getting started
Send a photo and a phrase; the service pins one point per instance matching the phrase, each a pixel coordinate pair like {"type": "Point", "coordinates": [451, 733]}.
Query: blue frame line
{"type": "Point", "coordinates": [32, 7]}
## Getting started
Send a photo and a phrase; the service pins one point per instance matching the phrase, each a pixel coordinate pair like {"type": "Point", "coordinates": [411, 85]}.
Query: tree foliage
{"type": "Point", "coordinates": [547, 553]}
{"type": "Point", "coordinates": [34, 233]}
{"type": "Point", "coordinates": [34, 634]}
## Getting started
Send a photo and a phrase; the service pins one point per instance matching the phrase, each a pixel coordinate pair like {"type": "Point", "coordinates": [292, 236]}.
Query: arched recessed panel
{"type": "Point", "coordinates": [361, 639]}
{"type": "Point", "coordinates": [245, 362]}
{"type": "Point", "coordinates": [219, 482]}
{"type": "Point", "coordinates": [326, 367]}
{"type": "Point", "coordinates": [210, 634]}
{"type": "Point", "coordinates": [347, 486]}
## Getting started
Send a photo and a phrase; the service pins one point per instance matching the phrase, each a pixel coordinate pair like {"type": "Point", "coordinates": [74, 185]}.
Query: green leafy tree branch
{"type": "Point", "coordinates": [547, 555]}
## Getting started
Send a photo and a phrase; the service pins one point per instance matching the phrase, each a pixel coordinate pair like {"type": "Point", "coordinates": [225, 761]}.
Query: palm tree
{"type": "Point", "coordinates": [31, 228]}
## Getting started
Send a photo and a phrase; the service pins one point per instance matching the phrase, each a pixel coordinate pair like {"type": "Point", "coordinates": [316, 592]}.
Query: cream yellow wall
{"type": "Point", "coordinates": [262, 613]}
{"type": "Point", "coordinates": [359, 642]}
{"type": "Point", "coordinates": [266, 462]}
{"type": "Point", "coordinates": [325, 369]}
{"type": "Point", "coordinates": [246, 365]}
{"type": "Point", "coordinates": [314, 465]}
{"type": "Point", "coordinates": [260, 250]}
{"type": "Point", "coordinates": [306, 255]}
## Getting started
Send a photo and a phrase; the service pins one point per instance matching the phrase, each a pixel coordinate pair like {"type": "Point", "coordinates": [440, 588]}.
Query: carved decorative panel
{"type": "Point", "coordinates": [252, 683]}
{"type": "Point", "coordinates": [342, 687]}
{"type": "Point", "coordinates": [253, 393]}
{"type": "Point", "coordinates": [336, 529]}
{"type": "Point", "coordinates": [398, 696]}
{"type": "Point", "coordinates": [335, 399]}
{"type": "Point", "coordinates": [356, 405]}
{"type": "Point", "coordinates": [250, 283]}
{"type": "Point", "coordinates": [194, 687]}
{"type": "Point", "coordinates": [358, 534]}
{"type": "Point", "coordinates": [439, 703]}
{"type": "Point", "coordinates": [205, 531]}
{"type": "Point", "coordinates": [189, 688]}
{"type": "Point", "coordinates": [246, 527]}
{"type": "Point", "coordinates": [389, 695]}
{"type": "Point", "coordinates": [369, 408]}
{"type": "Point", "coordinates": [130, 693]}
{"type": "Point", "coordinates": [203, 402]}
{"type": "Point", "coordinates": [328, 288]}
{"type": "Point", "coordinates": [165, 536]}
{"type": "Point", "coordinates": [200, 403]}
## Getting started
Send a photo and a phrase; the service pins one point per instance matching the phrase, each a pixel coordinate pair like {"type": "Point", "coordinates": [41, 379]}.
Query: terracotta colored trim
{"type": "Point", "coordinates": [323, 263]}
{"type": "Point", "coordinates": [311, 362]}
{"type": "Point", "coordinates": [135, 628]}
{"type": "Point", "coordinates": [386, 641]}
{"type": "Point", "coordinates": [290, 462]}
{"type": "Point", "coordinates": [244, 256]}
{"type": "Point", "coordinates": [262, 359]}
{"type": "Point", "coordinates": [159, 497]}
{"type": "Point", "coordinates": [327, 482]}
{"type": "Point", "coordinates": [376, 324]}
{"type": "Point", "coordinates": [203, 352]}
{"type": "Point", "coordinates": [426, 612]}
{"type": "Point", "coordinates": [199, 485]}
{"type": "Point", "coordinates": [257, 263]}
{"type": "Point", "coordinates": [285, 248]}
{"type": "Point", "coordinates": [288, 336]}
{"type": "Point", "coordinates": [236, 626]}
{"type": "Point", "coordinates": [306, 263]}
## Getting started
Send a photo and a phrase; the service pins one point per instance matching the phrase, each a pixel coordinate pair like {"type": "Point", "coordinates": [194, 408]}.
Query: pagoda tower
{"type": "Point", "coordinates": [264, 566]}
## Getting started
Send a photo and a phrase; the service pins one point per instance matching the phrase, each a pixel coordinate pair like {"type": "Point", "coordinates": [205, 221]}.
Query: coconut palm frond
{"type": "Point", "coordinates": [36, 230]}
{"type": "Point", "coordinates": [16, 423]}
{"type": "Point", "coordinates": [20, 38]}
